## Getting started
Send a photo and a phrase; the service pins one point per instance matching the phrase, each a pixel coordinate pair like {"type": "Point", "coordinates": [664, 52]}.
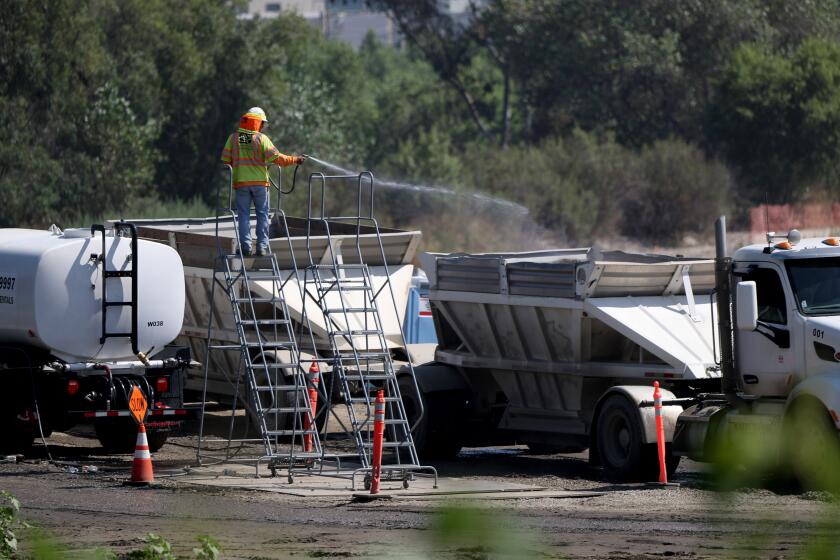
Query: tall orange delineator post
{"type": "Point", "coordinates": [314, 379]}
{"type": "Point", "coordinates": [378, 433]}
{"type": "Point", "coordinates": [141, 469]}
{"type": "Point", "coordinates": [660, 433]}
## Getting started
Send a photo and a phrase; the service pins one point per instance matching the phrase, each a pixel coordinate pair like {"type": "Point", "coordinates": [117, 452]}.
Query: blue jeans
{"type": "Point", "coordinates": [244, 196]}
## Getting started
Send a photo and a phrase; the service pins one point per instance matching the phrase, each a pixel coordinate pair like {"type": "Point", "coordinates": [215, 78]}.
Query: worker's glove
{"type": "Point", "coordinates": [300, 159]}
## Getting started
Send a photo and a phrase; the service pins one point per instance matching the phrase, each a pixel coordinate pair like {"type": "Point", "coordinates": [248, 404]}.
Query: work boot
{"type": "Point", "coordinates": [246, 251]}
{"type": "Point", "coordinates": [261, 251]}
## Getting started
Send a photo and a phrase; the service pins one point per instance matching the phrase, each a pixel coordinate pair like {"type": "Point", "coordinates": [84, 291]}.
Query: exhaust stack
{"type": "Point", "coordinates": [723, 287]}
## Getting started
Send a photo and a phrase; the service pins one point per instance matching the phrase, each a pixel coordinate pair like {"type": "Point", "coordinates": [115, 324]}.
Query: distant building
{"type": "Point", "coordinates": [345, 20]}
{"type": "Point", "coordinates": [309, 9]}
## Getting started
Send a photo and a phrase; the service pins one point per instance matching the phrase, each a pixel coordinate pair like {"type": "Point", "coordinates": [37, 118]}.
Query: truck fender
{"type": "Point", "coordinates": [636, 394]}
{"type": "Point", "coordinates": [434, 377]}
{"type": "Point", "coordinates": [825, 388]}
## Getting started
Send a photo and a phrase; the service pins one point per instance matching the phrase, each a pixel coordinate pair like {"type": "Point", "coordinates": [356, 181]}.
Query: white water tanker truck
{"type": "Point", "coordinates": [86, 315]}
{"type": "Point", "coordinates": [559, 349]}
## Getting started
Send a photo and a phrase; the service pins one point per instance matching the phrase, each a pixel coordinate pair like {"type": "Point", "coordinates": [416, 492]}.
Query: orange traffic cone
{"type": "Point", "coordinates": [141, 470]}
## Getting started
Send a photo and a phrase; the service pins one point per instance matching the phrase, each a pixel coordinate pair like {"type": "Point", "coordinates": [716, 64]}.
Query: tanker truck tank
{"type": "Point", "coordinates": [51, 293]}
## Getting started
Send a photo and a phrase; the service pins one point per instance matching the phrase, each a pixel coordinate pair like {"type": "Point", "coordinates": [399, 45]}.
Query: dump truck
{"type": "Point", "coordinates": [86, 315]}
{"type": "Point", "coordinates": [558, 349]}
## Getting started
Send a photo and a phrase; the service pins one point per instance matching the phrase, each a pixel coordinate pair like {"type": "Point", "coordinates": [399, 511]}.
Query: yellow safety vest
{"type": "Point", "coordinates": [249, 153]}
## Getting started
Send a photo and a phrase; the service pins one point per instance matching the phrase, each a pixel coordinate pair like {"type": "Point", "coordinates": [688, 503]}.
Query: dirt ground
{"type": "Point", "coordinates": [85, 510]}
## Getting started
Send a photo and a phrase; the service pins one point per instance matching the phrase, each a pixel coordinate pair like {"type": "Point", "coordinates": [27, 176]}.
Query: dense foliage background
{"type": "Point", "coordinates": [641, 118]}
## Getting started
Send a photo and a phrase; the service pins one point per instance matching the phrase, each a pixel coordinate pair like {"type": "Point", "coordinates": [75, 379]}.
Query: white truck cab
{"type": "Point", "coordinates": [787, 338]}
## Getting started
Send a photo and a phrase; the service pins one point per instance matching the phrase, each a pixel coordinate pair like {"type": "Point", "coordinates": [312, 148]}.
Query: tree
{"type": "Point", "coordinates": [777, 118]}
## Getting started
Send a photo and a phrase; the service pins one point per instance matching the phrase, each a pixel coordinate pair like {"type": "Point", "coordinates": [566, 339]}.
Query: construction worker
{"type": "Point", "coordinates": [249, 152]}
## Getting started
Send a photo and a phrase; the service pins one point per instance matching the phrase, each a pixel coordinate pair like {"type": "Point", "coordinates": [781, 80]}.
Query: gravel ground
{"type": "Point", "coordinates": [85, 510]}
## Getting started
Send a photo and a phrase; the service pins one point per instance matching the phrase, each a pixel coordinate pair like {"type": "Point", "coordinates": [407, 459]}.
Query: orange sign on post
{"type": "Point", "coordinates": [137, 404]}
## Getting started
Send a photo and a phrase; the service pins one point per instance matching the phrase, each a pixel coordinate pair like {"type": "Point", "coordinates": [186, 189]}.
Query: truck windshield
{"type": "Point", "coordinates": [816, 285]}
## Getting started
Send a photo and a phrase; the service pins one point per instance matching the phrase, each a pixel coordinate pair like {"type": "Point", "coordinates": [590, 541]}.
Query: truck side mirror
{"type": "Point", "coordinates": [746, 304]}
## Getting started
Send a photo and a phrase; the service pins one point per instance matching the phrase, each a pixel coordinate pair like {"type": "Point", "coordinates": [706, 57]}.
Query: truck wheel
{"type": "Point", "coordinates": [621, 447]}
{"type": "Point", "coordinates": [120, 435]}
{"type": "Point", "coordinates": [810, 445]}
{"type": "Point", "coordinates": [16, 436]}
{"type": "Point", "coordinates": [436, 436]}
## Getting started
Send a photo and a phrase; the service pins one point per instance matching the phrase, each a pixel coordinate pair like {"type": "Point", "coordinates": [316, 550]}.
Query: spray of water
{"type": "Point", "coordinates": [431, 189]}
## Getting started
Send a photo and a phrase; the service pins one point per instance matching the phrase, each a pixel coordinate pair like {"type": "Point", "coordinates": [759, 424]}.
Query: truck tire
{"type": "Point", "coordinates": [16, 436]}
{"type": "Point", "coordinates": [436, 436]}
{"type": "Point", "coordinates": [120, 435]}
{"type": "Point", "coordinates": [621, 447]}
{"type": "Point", "coordinates": [810, 446]}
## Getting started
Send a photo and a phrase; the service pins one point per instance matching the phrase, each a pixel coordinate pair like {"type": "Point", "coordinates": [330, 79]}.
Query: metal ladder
{"type": "Point", "coordinates": [360, 356]}
{"type": "Point", "coordinates": [120, 229]}
{"type": "Point", "coordinates": [278, 403]}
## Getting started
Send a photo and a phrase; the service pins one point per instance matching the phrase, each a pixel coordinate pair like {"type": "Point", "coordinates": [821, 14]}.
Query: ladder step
{"type": "Point", "coordinates": [368, 376]}
{"type": "Point", "coordinates": [252, 322]}
{"type": "Point", "coordinates": [279, 388]}
{"type": "Point", "coordinates": [341, 266]}
{"type": "Point", "coordinates": [284, 457]}
{"type": "Point", "coordinates": [356, 332]}
{"type": "Point", "coordinates": [225, 347]}
{"type": "Point", "coordinates": [287, 409]}
{"type": "Point", "coordinates": [274, 365]}
{"type": "Point", "coordinates": [338, 288]}
{"type": "Point", "coordinates": [117, 303]}
{"type": "Point", "coordinates": [372, 399]}
{"type": "Point", "coordinates": [269, 345]}
{"type": "Point", "coordinates": [289, 433]}
{"type": "Point", "coordinates": [235, 256]}
{"type": "Point", "coordinates": [258, 275]}
{"type": "Point", "coordinates": [258, 300]}
{"type": "Point", "coordinates": [391, 444]}
{"type": "Point", "coordinates": [350, 310]}
{"type": "Point", "coordinates": [391, 421]}
{"type": "Point", "coordinates": [363, 356]}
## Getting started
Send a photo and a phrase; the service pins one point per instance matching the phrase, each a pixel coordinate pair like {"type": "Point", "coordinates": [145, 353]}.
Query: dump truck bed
{"type": "Point", "coordinates": [197, 242]}
{"type": "Point", "coordinates": [578, 312]}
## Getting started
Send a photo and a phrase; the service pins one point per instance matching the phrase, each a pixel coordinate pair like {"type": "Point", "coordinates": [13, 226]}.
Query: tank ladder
{"type": "Point", "coordinates": [352, 306]}
{"type": "Point", "coordinates": [121, 229]}
{"type": "Point", "coordinates": [275, 381]}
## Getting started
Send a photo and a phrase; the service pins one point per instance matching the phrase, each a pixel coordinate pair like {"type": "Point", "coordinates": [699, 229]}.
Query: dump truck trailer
{"type": "Point", "coordinates": [559, 349]}
{"type": "Point", "coordinates": [197, 242]}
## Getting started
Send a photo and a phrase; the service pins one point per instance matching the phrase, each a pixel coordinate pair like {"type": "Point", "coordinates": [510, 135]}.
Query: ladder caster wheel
{"type": "Point", "coordinates": [273, 471]}
{"type": "Point", "coordinates": [405, 484]}
{"type": "Point", "coordinates": [367, 482]}
{"type": "Point", "coordinates": [291, 479]}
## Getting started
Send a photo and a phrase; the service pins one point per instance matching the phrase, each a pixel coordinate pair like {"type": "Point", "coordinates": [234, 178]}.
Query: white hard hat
{"type": "Point", "coordinates": [255, 113]}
